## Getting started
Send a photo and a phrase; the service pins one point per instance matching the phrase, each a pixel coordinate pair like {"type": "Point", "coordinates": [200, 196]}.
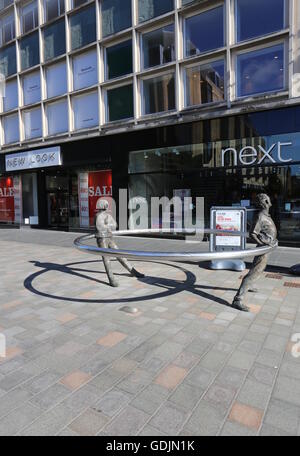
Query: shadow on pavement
{"type": "Point", "coordinates": [170, 286]}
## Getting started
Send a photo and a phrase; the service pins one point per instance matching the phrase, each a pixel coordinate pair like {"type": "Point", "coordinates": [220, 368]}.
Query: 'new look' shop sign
{"type": "Point", "coordinates": [41, 158]}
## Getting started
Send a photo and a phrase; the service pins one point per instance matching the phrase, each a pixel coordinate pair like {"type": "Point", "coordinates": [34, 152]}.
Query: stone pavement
{"type": "Point", "coordinates": [185, 364]}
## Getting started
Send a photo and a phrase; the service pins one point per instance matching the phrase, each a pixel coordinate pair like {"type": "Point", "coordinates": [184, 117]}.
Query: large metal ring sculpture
{"type": "Point", "coordinates": [170, 256]}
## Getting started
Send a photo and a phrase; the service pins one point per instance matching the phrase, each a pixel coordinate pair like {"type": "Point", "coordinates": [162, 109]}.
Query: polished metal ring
{"type": "Point", "coordinates": [170, 256]}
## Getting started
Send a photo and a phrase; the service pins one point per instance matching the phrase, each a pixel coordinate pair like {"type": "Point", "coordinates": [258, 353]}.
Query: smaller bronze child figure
{"type": "Point", "coordinates": [264, 232]}
{"type": "Point", "coordinates": [105, 225]}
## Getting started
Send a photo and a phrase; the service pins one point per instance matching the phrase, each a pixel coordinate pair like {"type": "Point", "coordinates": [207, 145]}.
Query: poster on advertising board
{"type": "Point", "coordinates": [229, 219]}
{"type": "Point", "coordinates": [92, 186]}
{"type": "Point", "coordinates": [7, 200]}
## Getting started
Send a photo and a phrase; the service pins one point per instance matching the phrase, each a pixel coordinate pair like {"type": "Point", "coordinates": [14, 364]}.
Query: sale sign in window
{"type": "Point", "coordinates": [7, 200]}
{"type": "Point", "coordinates": [92, 186]}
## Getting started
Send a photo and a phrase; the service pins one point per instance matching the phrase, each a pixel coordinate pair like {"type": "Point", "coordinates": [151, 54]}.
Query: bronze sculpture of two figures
{"type": "Point", "coordinates": [263, 232]}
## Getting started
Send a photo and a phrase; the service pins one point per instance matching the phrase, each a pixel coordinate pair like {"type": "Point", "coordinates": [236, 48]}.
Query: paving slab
{"type": "Point", "coordinates": [185, 364]}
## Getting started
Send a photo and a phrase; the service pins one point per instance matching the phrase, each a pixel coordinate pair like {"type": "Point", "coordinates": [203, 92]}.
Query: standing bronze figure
{"type": "Point", "coordinates": [105, 225]}
{"type": "Point", "coordinates": [264, 232]}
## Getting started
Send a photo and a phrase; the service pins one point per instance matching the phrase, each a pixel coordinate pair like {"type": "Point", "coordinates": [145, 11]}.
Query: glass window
{"type": "Point", "coordinates": [31, 88]}
{"type": "Point", "coordinates": [5, 3]}
{"type": "Point", "coordinates": [56, 79]}
{"type": "Point", "coordinates": [159, 94]}
{"type": "Point", "coordinates": [7, 28]}
{"type": "Point", "coordinates": [158, 46]}
{"type": "Point", "coordinates": [10, 101]}
{"type": "Point", "coordinates": [77, 3]}
{"type": "Point", "coordinates": [29, 48]}
{"type": "Point", "coordinates": [11, 128]}
{"type": "Point", "coordinates": [83, 27]}
{"type": "Point", "coordinates": [260, 71]}
{"type": "Point", "coordinates": [54, 8]}
{"type": "Point", "coordinates": [33, 123]}
{"type": "Point", "coordinates": [116, 16]}
{"type": "Point", "coordinates": [57, 117]}
{"type": "Point", "coordinates": [86, 113]}
{"type": "Point", "coordinates": [120, 103]}
{"type": "Point", "coordinates": [152, 8]}
{"type": "Point", "coordinates": [119, 60]}
{"type": "Point", "coordinates": [205, 83]}
{"type": "Point", "coordinates": [85, 70]}
{"type": "Point", "coordinates": [54, 40]}
{"type": "Point", "coordinates": [185, 2]}
{"type": "Point", "coordinates": [8, 63]}
{"type": "Point", "coordinates": [249, 12]}
{"type": "Point", "coordinates": [29, 16]}
{"type": "Point", "coordinates": [205, 31]}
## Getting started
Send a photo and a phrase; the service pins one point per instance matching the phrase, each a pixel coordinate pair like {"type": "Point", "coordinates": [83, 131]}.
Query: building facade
{"type": "Point", "coordinates": [160, 97]}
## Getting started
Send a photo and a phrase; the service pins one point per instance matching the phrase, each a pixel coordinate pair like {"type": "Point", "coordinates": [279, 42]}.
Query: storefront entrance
{"type": "Point", "coordinates": [57, 188]}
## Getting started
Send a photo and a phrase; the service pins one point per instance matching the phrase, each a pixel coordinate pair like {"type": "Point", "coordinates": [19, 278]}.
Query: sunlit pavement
{"type": "Point", "coordinates": [184, 364]}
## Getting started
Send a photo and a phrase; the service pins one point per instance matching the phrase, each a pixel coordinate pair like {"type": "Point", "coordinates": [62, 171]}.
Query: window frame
{"type": "Point", "coordinates": [24, 111]}
{"type": "Point", "coordinates": [286, 24]}
{"type": "Point", "coordinates": [51, 103]}
{"type": "Point", "coordinates": [45, 69]}
{"type": "Point", "coordinates": [77, 55]}
{"type": "Point", "coordinates": [142, 93]}
{"type": "Point", "coordinates": [155, 27]}
{"type": "Point", "coordinates": [21, 17]}
{"type": "Point", "coordinates": [82, 94]}
{"type": "Point", "coordinates": [261, 46]}
{"type": "Point", "coordinates": [12, 28]}
{"type": "Point", "coordinates": [197, 13]}
{"type": "Point", "coordinates": [203, 63]}
{"type": "Point", "coordinates": [105, 97]}
{"type": "Point", "coordinates": [16, 115]}
{"type": "Point", "coordinates": [45, 20]}
{"type": "Point", "coordinates": [110, 45]}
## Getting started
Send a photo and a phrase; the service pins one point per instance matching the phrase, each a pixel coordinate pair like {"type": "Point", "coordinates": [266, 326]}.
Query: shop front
{"type": "Point", "coordinates": [45, 188]}
{"type": "Point", "coordinates": [228, 162]}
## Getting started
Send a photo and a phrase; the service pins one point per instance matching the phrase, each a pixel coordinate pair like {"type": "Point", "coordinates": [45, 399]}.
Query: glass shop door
{"type": "Point", "coordinates": [58, 201]}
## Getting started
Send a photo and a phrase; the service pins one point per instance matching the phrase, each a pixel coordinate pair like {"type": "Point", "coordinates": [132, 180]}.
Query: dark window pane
{"type": "Point", "coordinates": [205, 83]}
{"type": "Point", "coordinates": [159, 46]}
{"type": "Point", "coordinates": [260, 71]}
{"type": "Point", "coordinates": [78, 3]}
{"type": "Point", "coordinates": [29, 47]}
{"type": "Point", "coordinates": [29, 15]}
{"type": "Point", "coordinates": [54, 40]}
{"type": "Point", "coordinates": [120, 103]}
{"type": "Point", "coordinates": [152, 8]}
{"type": "Point", "coordinates": [54, 8]}
{"type": "Point", "coordinates": [159, 94]}
{"type": "Point", "coordinates": [8, 63]}
{"type": "Point", "coordinates": [5, 3]}
{"type": "Point", "coordinates": [119, 60]}
{"type": "Point", "coordinates": [116, 16]}
{"type": "Point", "coordinates": [256, 17]}
{"type": "Point", "coordinates": [83, 27]}
{"type": "Point", "coordinates": [7, 29]}
{"type": "Point", "coordinates": [205, 31]}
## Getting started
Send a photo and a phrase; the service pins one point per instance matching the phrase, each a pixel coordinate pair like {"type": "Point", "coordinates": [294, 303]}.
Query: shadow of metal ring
{"type": "Point", "coordinates": [177, 287]}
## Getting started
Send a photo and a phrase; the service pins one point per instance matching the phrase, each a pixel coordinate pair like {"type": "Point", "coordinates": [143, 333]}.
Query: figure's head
{"type": "Point", "coordinates": [102, 204]}
{"type": "Point", "coordinates": [263, 201]}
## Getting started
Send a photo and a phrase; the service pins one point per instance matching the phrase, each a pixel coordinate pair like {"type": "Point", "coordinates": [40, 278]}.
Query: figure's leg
{"type": "Point", "coordinates": [107, 264]}
{"type": "Point", "coordinates": [259, 265]}
{"type": "Point", "coordinates": [125, 263]}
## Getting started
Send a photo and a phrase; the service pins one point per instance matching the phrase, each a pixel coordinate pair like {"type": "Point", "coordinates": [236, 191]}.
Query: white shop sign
{"type": "Point", "coordinates": [41, 158]}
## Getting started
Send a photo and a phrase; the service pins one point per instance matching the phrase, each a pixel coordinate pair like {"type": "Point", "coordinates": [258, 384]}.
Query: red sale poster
{"type": "Point", "coordinates": [7, 202]}
{"type": "Point", "coordinates": [100, 186]}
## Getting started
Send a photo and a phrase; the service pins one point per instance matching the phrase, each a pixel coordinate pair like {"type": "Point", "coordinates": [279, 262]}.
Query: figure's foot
{"type": "Point", "coordinates": [137, 274]}
{"type": "Point", "coordinates": [237, 304]}
{"type": "Point", "coordinates": [253, 290]}
{"type": "Point", "coordinates": [113, 283]}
